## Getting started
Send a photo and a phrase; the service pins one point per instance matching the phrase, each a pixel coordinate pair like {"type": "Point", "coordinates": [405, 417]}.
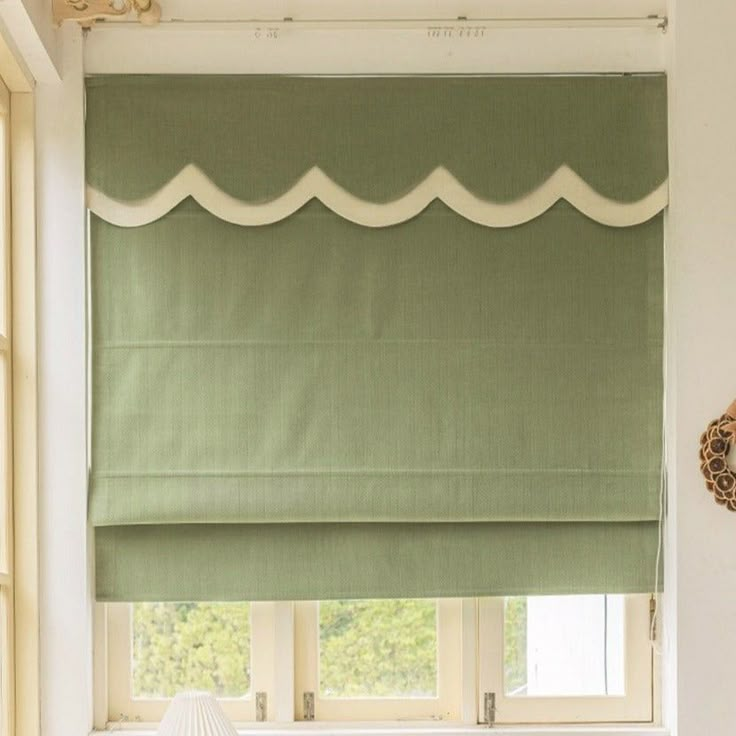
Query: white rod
{"type": "Point", "coordinates": [455, 25]}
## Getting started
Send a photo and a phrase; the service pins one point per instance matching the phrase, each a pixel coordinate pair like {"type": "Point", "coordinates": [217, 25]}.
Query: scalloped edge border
{"type": "Point", "coordinates": [440, 184]}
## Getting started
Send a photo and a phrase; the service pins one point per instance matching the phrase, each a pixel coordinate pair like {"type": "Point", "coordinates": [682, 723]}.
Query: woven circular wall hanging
{"type": "Point", "coordinates": [715, 446]}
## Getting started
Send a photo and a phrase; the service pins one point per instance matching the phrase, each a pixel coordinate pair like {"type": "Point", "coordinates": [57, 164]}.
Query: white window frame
{"type": "Point", "coordinates": [635, 706]}
{"type": "Point", "coordinates": [445, 706]}
{"type": "Point", "coordinates": [19, 634]}
{"type": "Point", "coordinates": [7, 648]}
{"type": "Point", "coordinates": [19, 643]}
{"type": "Point", "coordinates": [285, 665]}
{"type": "Point", "coordinates": [123, 707]}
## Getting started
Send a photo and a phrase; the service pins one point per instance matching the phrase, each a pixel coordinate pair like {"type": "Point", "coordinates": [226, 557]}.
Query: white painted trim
{"type": "Point", "coordinates": [417, 729]}
{"type": "Point", "coordinates": [33, 37]}
{"type": "Point", "coordinates": [440, 184]}
{"type": "Point", "coordinates": [13, 71]}
{"type": "Point", "coordinates": [7, 421]}
{"type": "Point", "coordinates": [469, 661]}
{"type": "Point", "coordinates": [283, 663]}
{"type": "Point", "coordinates": [100, 656]}
{"type": "Point", "coordinates": [191, 48]}
{"type": "Point", "coordinates": [65, 600]}
{"type": "Point", "coordinates": [25, 450]}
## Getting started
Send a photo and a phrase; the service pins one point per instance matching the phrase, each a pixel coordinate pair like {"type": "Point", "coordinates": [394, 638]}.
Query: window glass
{"type": "Point", "coordinates": [191, 646]}
{"type": "Point", "coordinates": [385, 648]}
{"type": "Point", "coordinates": [564, 645]}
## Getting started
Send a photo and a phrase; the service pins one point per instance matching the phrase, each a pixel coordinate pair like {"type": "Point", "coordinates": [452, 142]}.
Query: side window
{"type": "Point", "coordinates": [571, 658]}
{"type": "Point", "coordinates": [6, 446]}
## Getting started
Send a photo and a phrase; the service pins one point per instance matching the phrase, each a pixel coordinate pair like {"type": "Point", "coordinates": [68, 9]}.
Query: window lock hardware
{"type": "Point", "coordinates": [489, 709]}
{"type": "Point", "coordinates": [308, 706]}
{"type": "Point", "coordinates": [261, 706]}
{"type": "Point", "coordinates": [117, 725]}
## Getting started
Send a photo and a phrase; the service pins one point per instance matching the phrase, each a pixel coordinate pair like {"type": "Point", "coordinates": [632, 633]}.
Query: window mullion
{"type": "Point", "coordinates": [469, 661]}
{"type": "Point", "coordinates": [282, 709]}
{"type": "Point", "coordinates": [272, 649]}
{"type": "Point", "coordinates": [490, 649]}
{"type": "Point", "coordinates": [100, 659]}
{"type": "Point", "coordinates": [306, 654]}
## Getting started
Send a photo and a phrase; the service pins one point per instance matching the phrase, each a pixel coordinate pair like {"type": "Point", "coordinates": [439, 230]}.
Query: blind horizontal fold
{"type": "Point", "coordinates": [324, 561]}
{"type": "Point", "coordinates": [319, 371]}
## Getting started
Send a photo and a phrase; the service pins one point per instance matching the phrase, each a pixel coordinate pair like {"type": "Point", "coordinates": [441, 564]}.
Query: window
{"type": "Point", "coordinates": [566, 659]}
{"type": "Point", "coordinates": [158, 649]}
{"type": "Point", "coordinates": [576, 658]}
{"type": "Point", "coordinates": [199, 646]}
{"type": "Point", "coordinates": [380, 659]}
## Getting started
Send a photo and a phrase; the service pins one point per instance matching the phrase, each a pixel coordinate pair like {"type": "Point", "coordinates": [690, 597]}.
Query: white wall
{"type": "Point", "coordinates": [65, 588]}
{"type": "Point", "coordinates": [701, 260]}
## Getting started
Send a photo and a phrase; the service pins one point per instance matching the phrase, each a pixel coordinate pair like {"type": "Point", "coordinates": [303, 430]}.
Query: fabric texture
{"type": "Point", "coordinates": [323, 561]}
{"type": "Point", "coordinates": [317, 372]}
{"type": "Point", "coordinates": [501, 137]}
{"type": "Point", "coordinates": [315, 409]}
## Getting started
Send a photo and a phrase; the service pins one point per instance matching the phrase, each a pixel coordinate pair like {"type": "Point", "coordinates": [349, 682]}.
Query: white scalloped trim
{"type": "Point", "coordinates": [440, 184]}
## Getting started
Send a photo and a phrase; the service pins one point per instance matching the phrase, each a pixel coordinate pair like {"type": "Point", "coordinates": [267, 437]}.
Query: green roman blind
{"type": "Point", "coordinates": [375, 337]}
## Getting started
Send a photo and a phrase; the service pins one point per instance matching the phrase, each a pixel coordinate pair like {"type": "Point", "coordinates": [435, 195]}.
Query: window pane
{"type": "Point", "coordinates": [564, 645]}
{"type": "Point", "coordinates": [191, 646]}
{"type": "Point", "coordinates": [385, 648]}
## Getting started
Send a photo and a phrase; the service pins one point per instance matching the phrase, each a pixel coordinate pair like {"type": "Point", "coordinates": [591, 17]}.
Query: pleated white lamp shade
{"type": "Point", "coordinates": [195, 714]}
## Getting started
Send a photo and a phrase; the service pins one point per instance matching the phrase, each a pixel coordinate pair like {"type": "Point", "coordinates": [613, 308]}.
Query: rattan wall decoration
{"type": "Point", "coordinates": [715, 446]}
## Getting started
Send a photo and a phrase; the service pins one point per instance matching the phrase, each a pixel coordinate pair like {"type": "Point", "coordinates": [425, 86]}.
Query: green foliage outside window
{"type": "Point", "coordinates": [385, 648]}
{"type": "Point", "coordinates": [514, 652]}
{"type": "Point", "coordinates": [191, 646]}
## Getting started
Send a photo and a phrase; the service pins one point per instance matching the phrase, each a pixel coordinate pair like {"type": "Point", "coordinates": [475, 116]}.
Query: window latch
{"type": "Point", "coordinates": [261, 706]}
{"type": "Point", "coordinates": [308, 706]}
{"type": "Point", "coordinates": [489, 709]}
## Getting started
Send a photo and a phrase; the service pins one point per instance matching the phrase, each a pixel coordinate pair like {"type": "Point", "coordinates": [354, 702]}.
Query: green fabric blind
{"type": "Point", "coordinates": [316, 409]}
{"type": "Point", "coordinates": [377, 137]}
